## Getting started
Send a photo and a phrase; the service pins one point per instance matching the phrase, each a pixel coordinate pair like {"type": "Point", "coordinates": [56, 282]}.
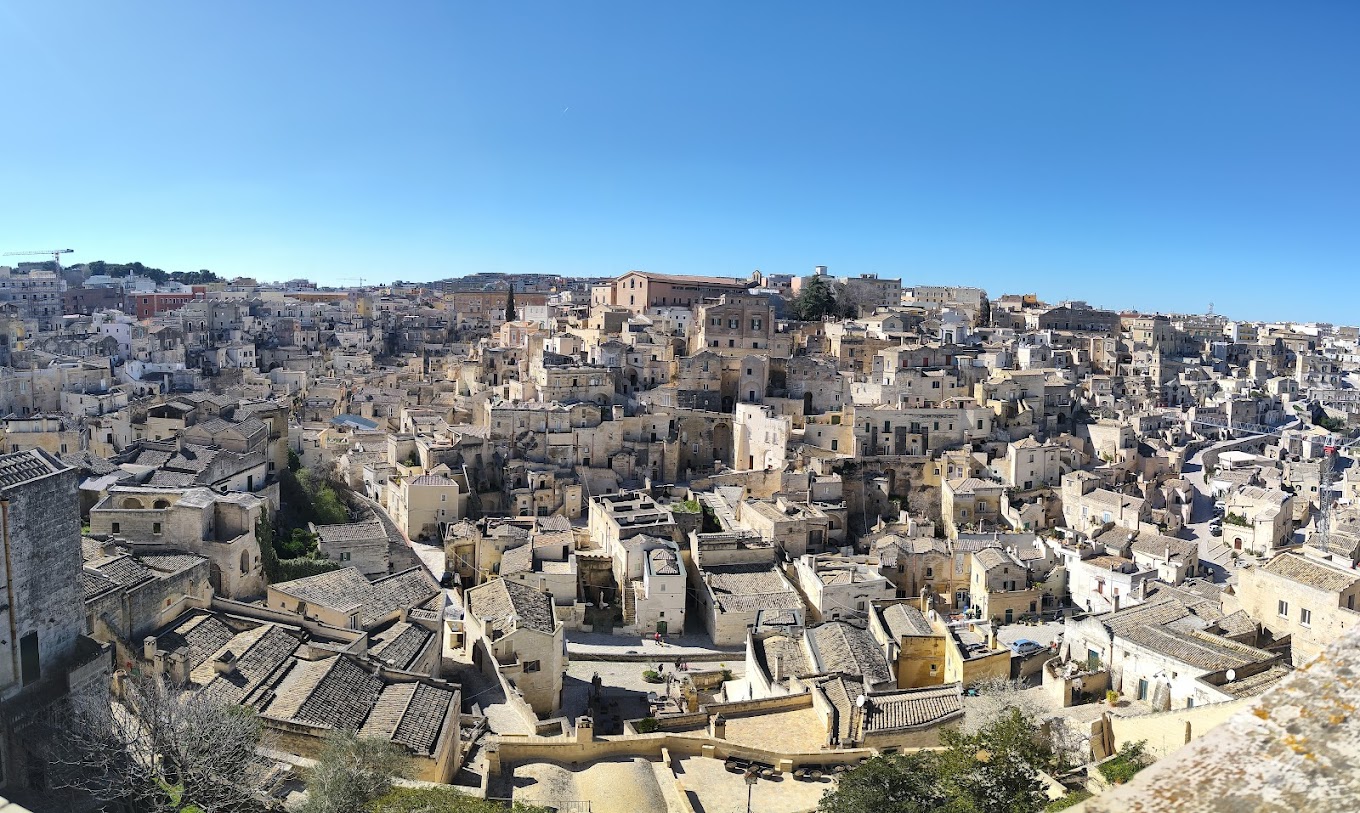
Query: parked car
{"type": "Point", "coordinates": [1215, 528]}
{"type": "Point", "coordinates": [447, 580]}
{"type": "Point", "coordinates": [1025, 647]}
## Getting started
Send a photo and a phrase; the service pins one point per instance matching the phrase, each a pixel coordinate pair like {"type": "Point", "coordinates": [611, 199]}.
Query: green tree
{"type": "Point", "coordinates": [993, 770]}
{"type": "Point", "coordinates": [441, 800]}
{"type": "Point", "coordinates": [996, 769]}
{"type": "Point", "coordinates": [294, 462]}
{"type": "Point", "coordinates": [352, 772]}
{"type": "Point", "coordinates": [300, 543]}
{"type": "Point", "coordinates": [327, 506]}
{"type": "Point", "coordinates": [816, 300]}
{"type": "Point", "coordinates": [510, 304]}
{"type": "Point", "coordinates": [897, 783]}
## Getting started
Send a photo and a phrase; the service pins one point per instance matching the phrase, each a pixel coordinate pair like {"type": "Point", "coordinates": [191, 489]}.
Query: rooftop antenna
{"type": "Point", "coordinates": [1211, 309]}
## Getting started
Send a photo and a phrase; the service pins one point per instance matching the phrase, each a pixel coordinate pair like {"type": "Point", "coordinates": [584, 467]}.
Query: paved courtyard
{"type": "Point", "coordinates": [794, 730]}
{"type": "Point", "coordinates": [711, 789]}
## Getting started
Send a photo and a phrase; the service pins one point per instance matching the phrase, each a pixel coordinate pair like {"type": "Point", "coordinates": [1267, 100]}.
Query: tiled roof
{"type": "Point", "coordinates": [269, 651]}
{"type": "Point", "coordinates": [170, 562]}
{"type": "Point", "coordinates": [747, 587]}
{"type": "Point", "coordinates": [424, 718]}
{"type": "Point", "coordinates": [371, 529]}
{"type": "Point", "coordinates": [496, 601]}
{"type": "Point", "coordinates": [849, 650]}
{"type": "Point", "coordinates": [21, 467]}
{"type": "Point", "coordinates": [93, 585]}
{"type": "Point", "coordinates": [203, 633]}
{"type": "Point", "coordinates": [401, 644]}
{"type": "Point", "coordinates": [1196, 648]}
{"type": "Point", "coordinates": [784, 657]}
{"type": "Point", "coordinates": [1253, 685]}
{"type": "Point", "coordinates": [124, 570]}
{"type": "Point", "coordinates": [1318, 575]}
{"type": "Point", "coordinates": [988, 558]}
{"type": "Point", "coordinates": [388, 710]}
{"type": "Point", "coordinates": [343, 697]}
{"type": "Point", "coordinates": [346, 590]}
{"type": "Point", "coordinates": [968, 485]}
{"type": "Point", "coordinates": [518, 559]}
{"type": "Point", "coordinates": [904, 619]}
{"type": "Point", "coordinates": [1157, 612]}
{"type": "Point", "coordinates": [664, 562]}
{"type": "Point", "coordinates": [1157, 544]}
{"type": "Point", "coordinates": [913, 708]}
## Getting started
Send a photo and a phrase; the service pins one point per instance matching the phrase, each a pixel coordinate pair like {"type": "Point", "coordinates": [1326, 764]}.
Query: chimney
{"type": "Point", "coordinates": [149, 648]}
{"type": "Point", "coordinates": [178, 667]}
{"type": "Point", "coordinates": [225, 664]}
{"type": "Point", "coordinates": [1115, 600]}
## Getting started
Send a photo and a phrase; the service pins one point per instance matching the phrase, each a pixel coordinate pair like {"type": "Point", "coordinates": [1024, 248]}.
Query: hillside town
{"type": "Point", "coordinates": [652, 542]}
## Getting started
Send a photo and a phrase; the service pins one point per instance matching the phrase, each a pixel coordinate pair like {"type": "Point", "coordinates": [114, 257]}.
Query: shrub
{"type": "Point", "coordinates": [1111, 696]}
{"type": "Point", "coordinates": [1131, 758]}
{"type": "Point", "coordinates": [652, 676]}
{"type": "Point", "coordinates": [647, 725]}
{"type": "Point", "coordinates": [1070, 800]}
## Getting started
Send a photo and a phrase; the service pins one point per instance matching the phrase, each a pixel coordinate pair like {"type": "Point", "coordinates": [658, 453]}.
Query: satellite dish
{"type": "Point", "coordinates": [861, 701]}
{"type": "Point", "coordinates": [1232, 675]}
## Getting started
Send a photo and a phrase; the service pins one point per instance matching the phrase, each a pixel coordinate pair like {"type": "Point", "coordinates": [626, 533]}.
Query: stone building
{"type": "Point", "coordinates": [1310, 599]}
{"type": "Point", "coordinates": [220, 527]}
{"type": "Point", "coordinates": [48, 654]}
{"type": "Point", "coordinates": [512, 629]}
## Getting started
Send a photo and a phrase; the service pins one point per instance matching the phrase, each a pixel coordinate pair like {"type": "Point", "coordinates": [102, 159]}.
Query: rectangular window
{"type": "Point", "coordinates": [1283, 609]}
{"type": "Point", "coordinates": [114, 527]}
{"type": "Point", "coordinates": [28, 657]}
{"type": "Point", "coordinates": [155, 527]}
{"type": "Point", "coordinates": [1305, 617]}
{"type": "Point", "coordinates": [836, 443]}
{"type": "Point", "coordinates": [531, 666]}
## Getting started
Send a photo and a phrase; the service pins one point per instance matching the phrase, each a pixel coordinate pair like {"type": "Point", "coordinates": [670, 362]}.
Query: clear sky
{"type": "Point", "coordinates": [1159, 155]}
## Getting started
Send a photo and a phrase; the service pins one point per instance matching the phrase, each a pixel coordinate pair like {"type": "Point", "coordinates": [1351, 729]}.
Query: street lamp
{"type": "Point", "coordinates": [751, 777]}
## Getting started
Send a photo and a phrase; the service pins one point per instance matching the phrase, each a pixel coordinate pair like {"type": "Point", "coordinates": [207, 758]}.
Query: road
{"type": "Point", "coordinates": [1214, 556]}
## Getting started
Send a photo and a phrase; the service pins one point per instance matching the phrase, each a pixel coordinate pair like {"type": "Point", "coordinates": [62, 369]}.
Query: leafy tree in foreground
{"type": "Point", "coordinates": [992, 770]}
{"type": "Point", "coordinates": [440, 800]}
{"type": "Point", "coordinates": [352, 772]}
{"type": "Point", "coordinates": [897, 783]}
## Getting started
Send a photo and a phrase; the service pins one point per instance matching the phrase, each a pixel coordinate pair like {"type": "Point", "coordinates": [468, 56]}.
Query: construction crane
{"type": "Point", "coordinates": [55, 252]}
{"type": "Point", "coordinates": [359, 280]}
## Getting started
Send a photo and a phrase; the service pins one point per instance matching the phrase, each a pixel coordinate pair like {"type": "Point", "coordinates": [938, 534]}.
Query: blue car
{"type": "Point", "coordinates": [1025, 647]}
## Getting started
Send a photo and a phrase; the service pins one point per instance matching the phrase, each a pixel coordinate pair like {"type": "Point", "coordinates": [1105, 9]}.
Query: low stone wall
{"type": "Point", "coordinates": [512, 750]}
{"type": "Point", "coordinates": [1167, 731]}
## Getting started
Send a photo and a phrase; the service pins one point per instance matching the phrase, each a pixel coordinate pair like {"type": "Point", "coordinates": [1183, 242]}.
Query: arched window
{"type": "Point", "coordinates": [132, 503]}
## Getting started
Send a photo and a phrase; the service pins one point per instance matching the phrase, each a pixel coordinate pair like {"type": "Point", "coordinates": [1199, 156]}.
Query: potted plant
{"type": "Point", "coordinates": [1111, 697]}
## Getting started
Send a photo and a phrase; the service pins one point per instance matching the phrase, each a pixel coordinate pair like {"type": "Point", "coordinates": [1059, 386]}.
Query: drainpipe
{"type": "Point", "coordinates": [9, 591]}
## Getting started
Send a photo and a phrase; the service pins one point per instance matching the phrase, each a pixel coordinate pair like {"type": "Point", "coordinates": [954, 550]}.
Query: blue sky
{"type": "Point", "coordinates": [1155, 155]}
